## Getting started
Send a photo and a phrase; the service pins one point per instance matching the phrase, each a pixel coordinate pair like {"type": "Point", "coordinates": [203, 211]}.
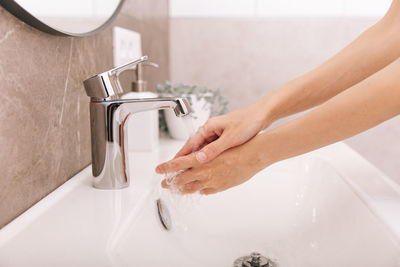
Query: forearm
{"type": "Point", "coordinates": [373, 50]}
{"type": "Point", "coordinates": [357, 109]}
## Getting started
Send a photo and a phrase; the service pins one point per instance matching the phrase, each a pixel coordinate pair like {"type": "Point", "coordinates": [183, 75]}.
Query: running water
{"type": "Point", "coordinates": [179, 204]}
{"type": "Point", "coordinates": [188, 121]}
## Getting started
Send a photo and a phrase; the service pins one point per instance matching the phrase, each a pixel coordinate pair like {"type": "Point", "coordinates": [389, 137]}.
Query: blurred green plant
{"type": "Point", "coordinates": [218, 103]}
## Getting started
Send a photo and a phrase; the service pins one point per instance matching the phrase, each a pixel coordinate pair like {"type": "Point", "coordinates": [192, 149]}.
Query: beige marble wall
{"type": "Point", "coordinates": [250, 57]}
{"type": "Point", "coordinates": [44, 115]}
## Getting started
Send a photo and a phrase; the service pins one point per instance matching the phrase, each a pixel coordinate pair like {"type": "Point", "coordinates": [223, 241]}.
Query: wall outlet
{"type": "Point", "coordinates": [127, 46]}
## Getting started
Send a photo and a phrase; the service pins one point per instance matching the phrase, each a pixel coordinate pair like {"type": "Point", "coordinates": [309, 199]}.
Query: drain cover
{"type": "Point", "coordinates": [163, 215]}
{"type": "Point", "coordinates": [254, 260]}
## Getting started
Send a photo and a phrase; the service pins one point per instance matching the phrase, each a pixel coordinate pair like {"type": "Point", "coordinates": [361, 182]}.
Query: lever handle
{"type": "Point", "coordinates": [106, 85]}
{"type": "Point", "coordinates": [118, 70]}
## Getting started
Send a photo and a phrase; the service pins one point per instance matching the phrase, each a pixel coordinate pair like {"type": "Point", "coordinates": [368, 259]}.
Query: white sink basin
{"type": "Point", "coordinates": [327, 208]}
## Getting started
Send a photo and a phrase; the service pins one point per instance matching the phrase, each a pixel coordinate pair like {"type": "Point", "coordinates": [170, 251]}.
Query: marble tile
{"type": "Point", "coordinates": [248, 58]}
{"type": "Point", "coordinates": [45, 135]}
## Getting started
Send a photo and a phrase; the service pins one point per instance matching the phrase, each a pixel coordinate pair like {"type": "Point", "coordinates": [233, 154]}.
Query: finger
{"type": "Point", "coordinates": [212, 150]}
{"type": "Point", "coordinates": [211, 139]}
{"type": "Point", "coordinates": [177, 164]}
{"type": "Point", "coordinates": [196, 141]}
{"type": "Point", "coordinates": [189, 146]}
{"type": "Point", "coordinates": [185, 178]}
{"type": "Point", "coordinates": [208, 191]}
{"type": "Point", "coordinates": [164, 184]}
{"type": "Point", "coordinates": [192, 144]}
{"type": "Point", "coordinates": [193, 187]}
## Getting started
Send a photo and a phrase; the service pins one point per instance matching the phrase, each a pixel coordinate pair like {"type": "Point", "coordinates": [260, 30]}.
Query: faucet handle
{"type": "Point", "coordinates": [106, 84]}
{"type": "Point", "coordinates": [130, 65]}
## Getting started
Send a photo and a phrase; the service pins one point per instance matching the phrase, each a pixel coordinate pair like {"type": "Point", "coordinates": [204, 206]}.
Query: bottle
{"type": "Point", "coordinates": [143, 126]}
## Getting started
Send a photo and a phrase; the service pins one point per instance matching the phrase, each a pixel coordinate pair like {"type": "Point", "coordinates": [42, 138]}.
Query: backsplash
{"type": "Point", "coordinates": [44, 115]}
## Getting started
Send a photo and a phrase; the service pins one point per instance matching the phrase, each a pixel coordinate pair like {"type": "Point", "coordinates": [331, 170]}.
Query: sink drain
{"type": "Point", "coordinates": [254, 260]}
{"type": "Point", "coordinates": [163, 215]}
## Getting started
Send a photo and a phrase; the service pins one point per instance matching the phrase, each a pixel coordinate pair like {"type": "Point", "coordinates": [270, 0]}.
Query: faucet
{"type": "Point", "coordinates": [109, 115]}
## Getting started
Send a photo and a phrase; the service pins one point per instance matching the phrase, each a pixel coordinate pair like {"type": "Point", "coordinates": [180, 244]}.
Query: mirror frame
{"type": "Point", "coordinates": [21, 13]}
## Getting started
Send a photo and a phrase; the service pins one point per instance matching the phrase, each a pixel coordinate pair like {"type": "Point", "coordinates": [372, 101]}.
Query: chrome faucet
{"type": "Point", "coordinates": [108, 120]}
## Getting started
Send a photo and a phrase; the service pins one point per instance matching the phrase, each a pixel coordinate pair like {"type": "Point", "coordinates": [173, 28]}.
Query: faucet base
{"type": "Point", "coordinates": [106, 187]}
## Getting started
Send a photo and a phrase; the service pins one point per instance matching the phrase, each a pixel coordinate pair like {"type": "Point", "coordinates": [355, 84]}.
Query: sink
{"type": "Point", "coordinates": [326, 208]}
{"type": "Point", "coordinates": [307, 217]}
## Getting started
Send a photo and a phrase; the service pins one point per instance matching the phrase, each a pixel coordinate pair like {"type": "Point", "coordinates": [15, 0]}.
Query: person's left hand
{"type": "Point", "coordinates": [231, 168]}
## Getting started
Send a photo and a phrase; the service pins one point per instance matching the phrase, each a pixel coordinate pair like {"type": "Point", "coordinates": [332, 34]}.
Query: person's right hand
{"type": "Point", "coordinates": [223, 132]}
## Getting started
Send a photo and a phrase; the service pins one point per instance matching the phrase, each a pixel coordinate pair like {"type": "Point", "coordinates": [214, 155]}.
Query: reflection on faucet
{"type": "Point", "coordinates": [108, 117]}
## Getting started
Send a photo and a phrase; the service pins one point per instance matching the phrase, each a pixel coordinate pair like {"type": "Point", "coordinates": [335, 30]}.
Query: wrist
{"type": "Point", "coordinates": [263, 110]}
{"type": "Point", "coordinates": [256, 156]}
{"type": "Point", "coordinates": [281, 102]}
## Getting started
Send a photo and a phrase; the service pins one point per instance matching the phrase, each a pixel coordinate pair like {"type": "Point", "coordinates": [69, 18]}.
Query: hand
{"type": "Point", "coordinates": [223, 132]}
{"type": "Point", "coordinates": [231, 168]}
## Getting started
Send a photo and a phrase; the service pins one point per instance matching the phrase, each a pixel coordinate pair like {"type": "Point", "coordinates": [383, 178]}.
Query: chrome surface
{"type": "Point", "coordinates": [106, 85]}
{"type": "Point", "coordinates": [254, 260]}
{"type": "Point", "coordinates": [140, 85]}
{"type": "Point", "coordinates": [108, 123]}
{"type": "Point", "coordinates": [163, 215]}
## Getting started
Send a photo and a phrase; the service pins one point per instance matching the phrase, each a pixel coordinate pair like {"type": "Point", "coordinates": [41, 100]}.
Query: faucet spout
{"type": "Point", "coordinates": [108, 130]}
{"type": "Point", "coordinates": [180, 106]}
{"type": "Point", "coordinates": [109, 115]}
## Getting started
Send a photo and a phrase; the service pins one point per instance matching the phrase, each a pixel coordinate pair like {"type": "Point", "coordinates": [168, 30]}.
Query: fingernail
{"type": "Point", "coordinates": [201, 156]}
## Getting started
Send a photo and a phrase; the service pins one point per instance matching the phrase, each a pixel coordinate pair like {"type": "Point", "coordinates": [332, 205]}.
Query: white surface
{"type": "Point", "coordinates": [142, 126]}
{"type": "Point", "coordinates": [282, 8]}
{"type": "Point", "coordinates": [127, 46]}
{"type": "Point", "coordinates": [211, 8]}
{"type": "Point", "coordinates": [321, 209]}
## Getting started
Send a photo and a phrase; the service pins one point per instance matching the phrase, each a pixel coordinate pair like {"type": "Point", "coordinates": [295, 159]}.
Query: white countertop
{"type": "Point", "coordinates": [77, 218]}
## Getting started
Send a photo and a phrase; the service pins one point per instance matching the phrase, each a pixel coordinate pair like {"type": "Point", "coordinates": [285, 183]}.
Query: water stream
{"type": "Point", "coordinates": [188, 121]}
{"type": "Point", "coordinates": [178, 204]}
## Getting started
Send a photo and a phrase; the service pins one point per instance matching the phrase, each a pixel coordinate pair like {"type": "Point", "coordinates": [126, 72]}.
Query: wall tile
{"type": "Point", "coordinates": [45, 136]}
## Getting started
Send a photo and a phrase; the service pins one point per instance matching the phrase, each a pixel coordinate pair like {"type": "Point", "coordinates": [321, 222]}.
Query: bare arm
{"type": "Point", "coordinates": [369, 53]}
{"type": "Point", "coordinates": [361, 107]}
{"type": "Point", "coordinates": [355, 110]}
{"type": "Point", "coordinates": [374, 49]}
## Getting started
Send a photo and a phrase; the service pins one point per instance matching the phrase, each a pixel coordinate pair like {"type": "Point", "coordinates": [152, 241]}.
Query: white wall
{"type": "Point", "coordinates": [277, 8]}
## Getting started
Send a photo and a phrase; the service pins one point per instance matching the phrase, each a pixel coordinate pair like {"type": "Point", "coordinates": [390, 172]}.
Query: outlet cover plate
{"type": "Point", "coordinates": [127, 46]}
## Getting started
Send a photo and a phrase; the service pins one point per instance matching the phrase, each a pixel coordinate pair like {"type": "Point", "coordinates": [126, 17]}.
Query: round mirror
{"type": "Point", "coordinates": [65, 17]}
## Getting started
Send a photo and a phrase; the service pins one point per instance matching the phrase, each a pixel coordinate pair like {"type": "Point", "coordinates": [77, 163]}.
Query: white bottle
{"type": "Point", "coordinates": [142, 126]}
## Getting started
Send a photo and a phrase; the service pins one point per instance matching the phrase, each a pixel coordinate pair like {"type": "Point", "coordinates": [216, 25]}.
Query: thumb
{"type": "Point", "coordinates": [212, 150]}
